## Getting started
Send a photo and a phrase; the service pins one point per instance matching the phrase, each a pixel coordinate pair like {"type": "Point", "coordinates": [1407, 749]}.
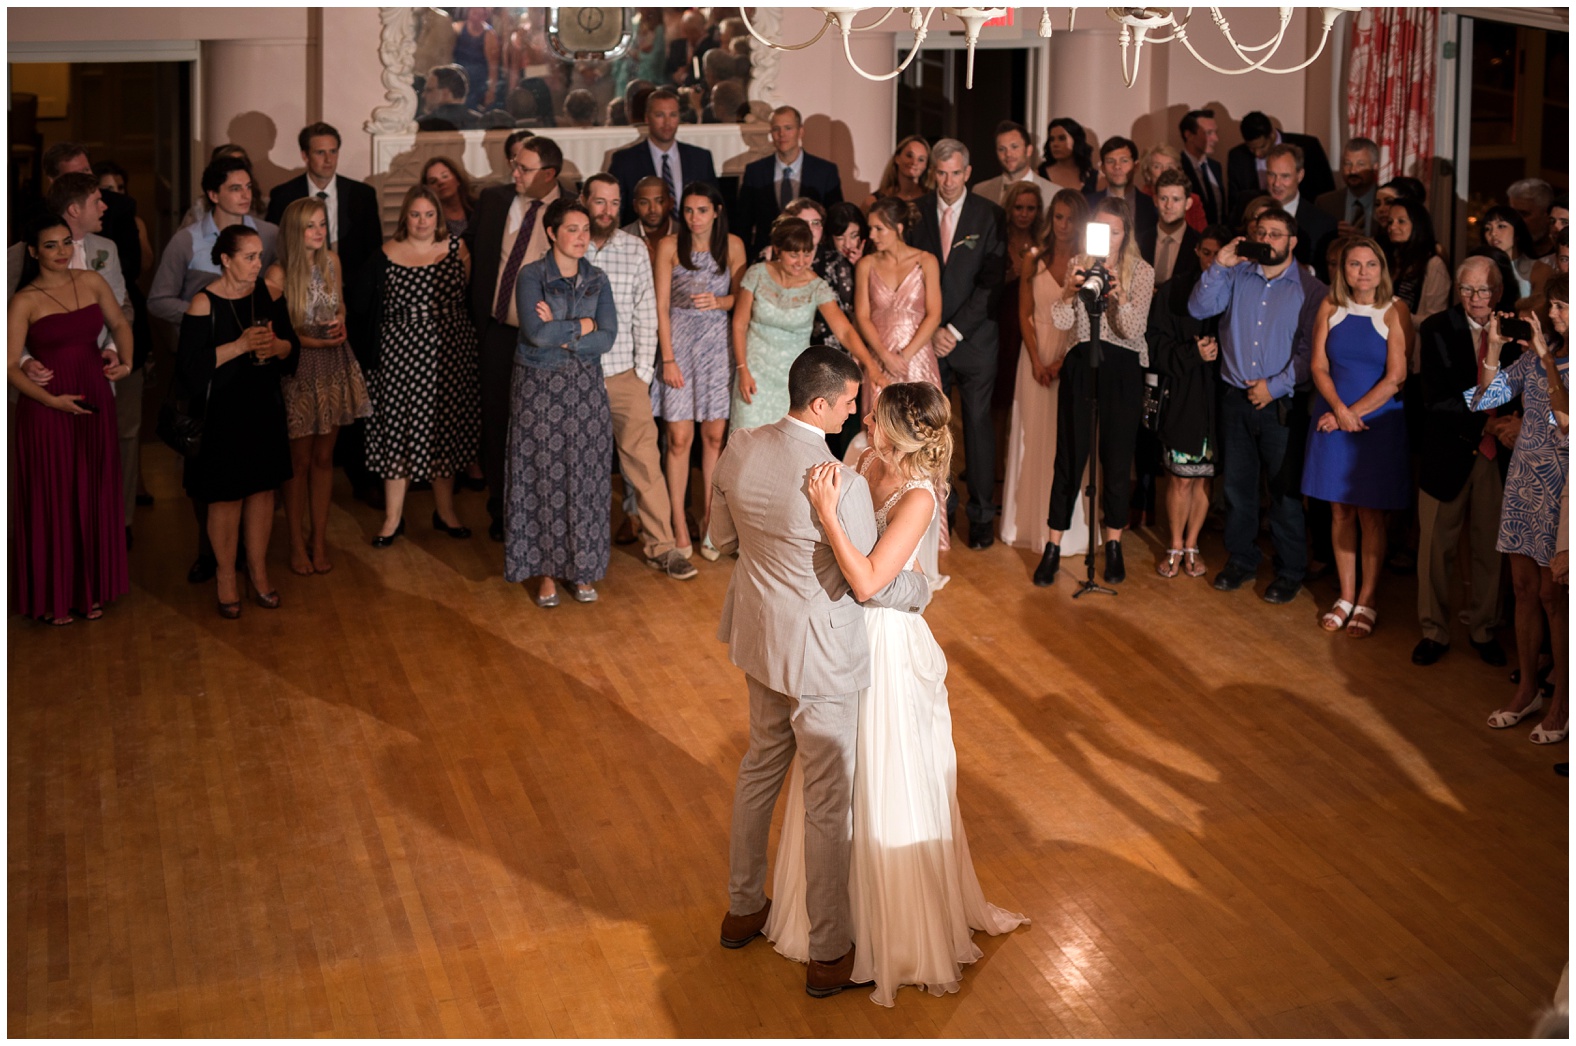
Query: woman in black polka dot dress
{"type": "Point", "coordinates": [426, 421]}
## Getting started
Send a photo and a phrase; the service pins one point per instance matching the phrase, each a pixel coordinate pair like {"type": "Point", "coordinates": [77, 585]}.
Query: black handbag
{"type": "Point", "coordinates": [1157, 391]}
{"type": "Point", "coordinates": [179, 427]}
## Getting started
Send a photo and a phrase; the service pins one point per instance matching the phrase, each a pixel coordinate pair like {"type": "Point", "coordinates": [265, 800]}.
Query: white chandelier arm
{"type": "Point", "coordinates": [1261, 65]}
{"type": "Point", "coordinates": [1242, 49]}
{"type": "Point", "coordinates": [873, 25]}
{"type": "Point", "coordinates": [783, 47]}
{"type": "Point", "coordinates": [920, 33]}
{"type": "Point", "coordinates": [1329, 17]}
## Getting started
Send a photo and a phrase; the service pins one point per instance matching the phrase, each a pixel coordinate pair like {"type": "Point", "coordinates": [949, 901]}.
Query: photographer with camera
{"type": "Point", "coordinates": [1120, 283]}
{"type": "Point", "coordinates": [1264, 352]}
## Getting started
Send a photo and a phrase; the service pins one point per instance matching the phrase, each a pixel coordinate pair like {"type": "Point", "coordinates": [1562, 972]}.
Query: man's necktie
{"type": "Point", "coordinates": [1165, 258]}
{"type": "Point", "coordinates": [323, 196]}
{"type": "Point", "coordinates": [949, 224]}
{"type": "Point", "coordinates": [1360, 217]}
{"type": "Point", "coordinates": [673, 190]}
{"type": "Point", "coordinates": [511, 268]}
{"type": "Point", "coordinates": [1488, 446]}
{"type": "Point", "coordinates": [785, 191]}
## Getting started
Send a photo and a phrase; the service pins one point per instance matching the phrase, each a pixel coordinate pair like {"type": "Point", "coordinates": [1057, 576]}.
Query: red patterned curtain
{"type": "Point", "coordinates": [1390, 96]}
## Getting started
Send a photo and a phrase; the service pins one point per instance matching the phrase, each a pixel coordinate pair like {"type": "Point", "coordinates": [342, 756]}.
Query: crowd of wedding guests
{"type": "Point", "coordinates": [1301, 339]}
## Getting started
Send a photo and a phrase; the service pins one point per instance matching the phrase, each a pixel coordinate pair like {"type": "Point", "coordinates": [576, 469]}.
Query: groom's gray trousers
{"type": "Point", "coordinates": [822, 729]}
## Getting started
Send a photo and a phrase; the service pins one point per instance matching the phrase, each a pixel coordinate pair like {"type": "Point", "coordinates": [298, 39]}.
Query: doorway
{"type": "Point", "coordinates": [932, 100]}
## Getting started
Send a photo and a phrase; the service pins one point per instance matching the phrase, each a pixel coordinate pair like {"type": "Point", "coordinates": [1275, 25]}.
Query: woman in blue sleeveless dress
{"type": "Point", "coordinates": [1357, 453]}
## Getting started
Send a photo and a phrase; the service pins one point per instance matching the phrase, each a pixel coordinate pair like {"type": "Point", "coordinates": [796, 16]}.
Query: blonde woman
{"type": "Point", "coordinates": [1357, 455]}
{"type": "Point", "coordinates": [907, 175]}
{"type": "Point", "coordinates": [327, 390]}
{"type": "Point", "coordinates": [913, 907]}
{"type": "Point", "coordinates": [1125, 354]}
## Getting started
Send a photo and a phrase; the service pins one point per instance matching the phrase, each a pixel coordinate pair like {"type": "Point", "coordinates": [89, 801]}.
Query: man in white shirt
{"type": "Point", "coordinates": [627, 369]}
{"type": "Point", "coordinates": [1015, 153]}
{"type": "Point", "coordinates": [1200, 136]}
{"type": "Point", "coordinates": [1283, 165]}
{"type": "Point", "coordinates": [1353, 207]}
{"type": "Point", "coordinates": [661, 154]}
{"type": "Point", "coordinates": [769, 184]}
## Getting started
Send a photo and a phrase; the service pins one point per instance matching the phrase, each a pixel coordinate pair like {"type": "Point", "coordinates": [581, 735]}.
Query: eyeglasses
{"type": "Point", "coordinates": [1468, 293]}
{"type": "Point", "coordinates": [525, 170]}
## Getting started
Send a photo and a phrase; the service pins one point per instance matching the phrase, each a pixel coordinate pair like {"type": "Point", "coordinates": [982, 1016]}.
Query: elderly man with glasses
{"type": "Point", "coordinates": [1464, 456]}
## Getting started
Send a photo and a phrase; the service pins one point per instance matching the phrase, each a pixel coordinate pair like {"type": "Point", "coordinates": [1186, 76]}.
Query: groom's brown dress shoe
{"type": "Point", "coordinates": [739, 930]}
{"type": "Point", "coordinates": [829, 978]}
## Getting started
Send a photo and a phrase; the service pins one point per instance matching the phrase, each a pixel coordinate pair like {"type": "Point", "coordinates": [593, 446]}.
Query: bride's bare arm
{"type": "Point", "coordinates": [906, 523]}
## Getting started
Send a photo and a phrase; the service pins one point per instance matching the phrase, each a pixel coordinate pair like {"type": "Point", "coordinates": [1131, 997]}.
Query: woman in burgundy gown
{"type": "Point", "coordinates": [69, 545]}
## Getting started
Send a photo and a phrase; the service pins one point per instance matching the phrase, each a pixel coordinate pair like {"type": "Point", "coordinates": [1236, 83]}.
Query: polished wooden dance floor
{"type": "Point", "coordinates": [410, 802]}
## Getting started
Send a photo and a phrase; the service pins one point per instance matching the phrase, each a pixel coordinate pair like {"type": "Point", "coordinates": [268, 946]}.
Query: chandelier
{"type": "Point", "coordinates": [1140, 26]}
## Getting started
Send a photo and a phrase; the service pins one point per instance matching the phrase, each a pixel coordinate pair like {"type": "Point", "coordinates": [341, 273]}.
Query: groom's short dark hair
{"type": "Point", "coordinates": [820, 372]}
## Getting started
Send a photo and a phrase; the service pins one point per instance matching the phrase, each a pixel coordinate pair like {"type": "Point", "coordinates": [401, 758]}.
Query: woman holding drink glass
{"type": "Point", "coordinates": [237, 343]}
{"type": "Point", "coordinates": [327, 389]}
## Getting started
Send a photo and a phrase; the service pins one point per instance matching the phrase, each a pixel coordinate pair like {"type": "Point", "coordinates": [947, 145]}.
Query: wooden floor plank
{"type": "Point", "coordinates": [411, 803]}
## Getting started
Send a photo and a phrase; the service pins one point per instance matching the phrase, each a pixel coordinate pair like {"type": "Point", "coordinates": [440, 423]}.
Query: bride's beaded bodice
{"type": "Point", "coordinates": [897, 495]}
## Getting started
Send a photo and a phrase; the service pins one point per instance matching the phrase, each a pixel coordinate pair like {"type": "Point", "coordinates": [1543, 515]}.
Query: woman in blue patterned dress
{"type": "Point", "coordinates": [1529, 518]}
{"type": "Point", "coordinates": [1357, 457]}
{"type": "Point", "coordinates": [695, 290]}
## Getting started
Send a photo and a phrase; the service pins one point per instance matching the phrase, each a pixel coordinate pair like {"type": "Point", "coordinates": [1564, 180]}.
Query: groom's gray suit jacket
{"type": "Point", "coordinates": [789, 619]}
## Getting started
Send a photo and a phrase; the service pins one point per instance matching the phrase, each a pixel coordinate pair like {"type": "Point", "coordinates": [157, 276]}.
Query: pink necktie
{"type": "Point", "coordinates": [948, 227]}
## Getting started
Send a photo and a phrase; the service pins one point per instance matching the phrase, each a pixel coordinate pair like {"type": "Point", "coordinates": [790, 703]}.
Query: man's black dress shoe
{"type": "Point", "coordinates": [980, 536]}
{"type": "Point", "coordinates": [1231, 578]}
{"type": "Point", "coordinates": [1115, 568]}
{"type": "Point", "coordinates": [1050, 563]}
{"type": "Point", "coordinates": [1282, 590]}
{"type": "Point", "coordinates": [1427, 651]}
{"type": "Point", "coordinates": [495, 530]}
{"type": "Point", "coordinates": [1491, 652]}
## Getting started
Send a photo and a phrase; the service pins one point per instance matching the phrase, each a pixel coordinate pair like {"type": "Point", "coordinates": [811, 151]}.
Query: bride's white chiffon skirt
{"type": "Point", "coordinates": [912, 888]}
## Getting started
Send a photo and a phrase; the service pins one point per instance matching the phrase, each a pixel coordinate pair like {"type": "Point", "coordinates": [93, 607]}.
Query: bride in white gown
{"type": "Point", "coordinates": [912, 888]}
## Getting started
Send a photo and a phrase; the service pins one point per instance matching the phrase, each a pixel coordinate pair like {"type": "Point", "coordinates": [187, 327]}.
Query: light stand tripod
{"type": "Point", "coordinates": [1094, 305]}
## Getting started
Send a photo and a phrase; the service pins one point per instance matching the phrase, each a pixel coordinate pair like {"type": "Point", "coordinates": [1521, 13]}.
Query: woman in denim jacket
{"type": "Point", "coordinates": [558, 493]}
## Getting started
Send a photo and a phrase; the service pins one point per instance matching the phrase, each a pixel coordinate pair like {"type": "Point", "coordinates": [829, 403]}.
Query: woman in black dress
{"type": "Point", "coordinates": [558, 490]}
{"type": "Point", "coordinates": [426, 396]}
{"type": "Point", "coordinates": [236, 343]}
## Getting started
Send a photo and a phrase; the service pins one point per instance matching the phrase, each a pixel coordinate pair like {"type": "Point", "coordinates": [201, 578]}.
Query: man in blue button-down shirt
{"type": "Point", "coordinates": [1264, 352]}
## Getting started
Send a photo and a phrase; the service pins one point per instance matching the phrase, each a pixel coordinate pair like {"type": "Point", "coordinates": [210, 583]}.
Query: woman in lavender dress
{"type": "Point", "coordinates": [695, 290]}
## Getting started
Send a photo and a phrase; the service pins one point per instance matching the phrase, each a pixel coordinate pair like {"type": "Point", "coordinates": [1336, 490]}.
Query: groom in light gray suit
{"type": "Point", "coordinates": [794, 628]}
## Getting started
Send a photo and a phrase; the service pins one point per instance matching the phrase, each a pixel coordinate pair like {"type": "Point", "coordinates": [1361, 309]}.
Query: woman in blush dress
{"type": "Point", "coordinates": [1025, 208]}
{"type": "Point", "coordinates": [1357, 457]}
{"type": "Point", "coordinates": [913, 893]}
{"type": "Point", "coordinates": [68, 552]}
{"type": "Point", "coordinates": [897, 304]}
{"type": "Point", "coordinates": [697, 272]}
{"type": "Point", "coordinates": [1031, 432]}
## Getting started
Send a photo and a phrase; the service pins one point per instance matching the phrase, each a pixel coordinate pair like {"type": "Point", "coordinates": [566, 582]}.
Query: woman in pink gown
{"type": "Point", "coordinates": [69, 544]}
{"type": "Point", "coordinates": [897, 306]}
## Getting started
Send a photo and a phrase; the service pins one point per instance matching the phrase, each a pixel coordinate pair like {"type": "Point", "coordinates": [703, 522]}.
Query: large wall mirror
{"type": "Point", "coordinates": [458, 80]}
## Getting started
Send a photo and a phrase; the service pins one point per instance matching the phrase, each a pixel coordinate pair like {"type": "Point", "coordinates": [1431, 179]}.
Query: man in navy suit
{"type": "Point", "coordinates": [661, 154]}
{"type": "Point", "coordinates": [772, 181]}
{"type": "Point", "coordinates": [1246, 174]}
{"type": "Point", "coordinates": [1200, 135]}
{"type": "Point", "coordinates": [1119, 162]}
{"type": "Point", "coordinates": [968, 234]}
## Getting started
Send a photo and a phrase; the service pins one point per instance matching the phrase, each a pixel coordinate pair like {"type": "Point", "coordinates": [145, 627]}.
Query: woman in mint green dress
{"type": "Point", "coordinates": [773, 312]}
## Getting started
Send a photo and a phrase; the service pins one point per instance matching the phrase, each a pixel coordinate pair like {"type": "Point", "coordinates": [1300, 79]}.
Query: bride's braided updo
{"type": "Point", "coordinates": [913, 417]}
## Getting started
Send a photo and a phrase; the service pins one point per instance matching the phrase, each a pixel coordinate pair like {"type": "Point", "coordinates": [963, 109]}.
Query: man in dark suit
{"type": "Point", "coordinates": [1246, 176]}
{"type": "Point", "coordinates": [355, 233]}
{"type": "Point", "coordinates": [1172, 242]}
{"type": "Point", "coordinates": [509, 236]}
{"type": "Point", "coordinates": [1119, 163]}
{"type": "Point", "coordinates": [1200, 136]}
{"type": "Point", "coordinates": [1463, 468]}
{"type": "Point", "coordinates": [772, 181]}
{"type": "Point", "coordinates": [1353, 206]}
{"type": "Point", "coordinates": [694, 40]}
{"type": "Point", "coordinates": [1315, 229]}
{"type": "Point", "coordinates": [968, 235]}
{"type": "Point", "coordinates": [660, 154]}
